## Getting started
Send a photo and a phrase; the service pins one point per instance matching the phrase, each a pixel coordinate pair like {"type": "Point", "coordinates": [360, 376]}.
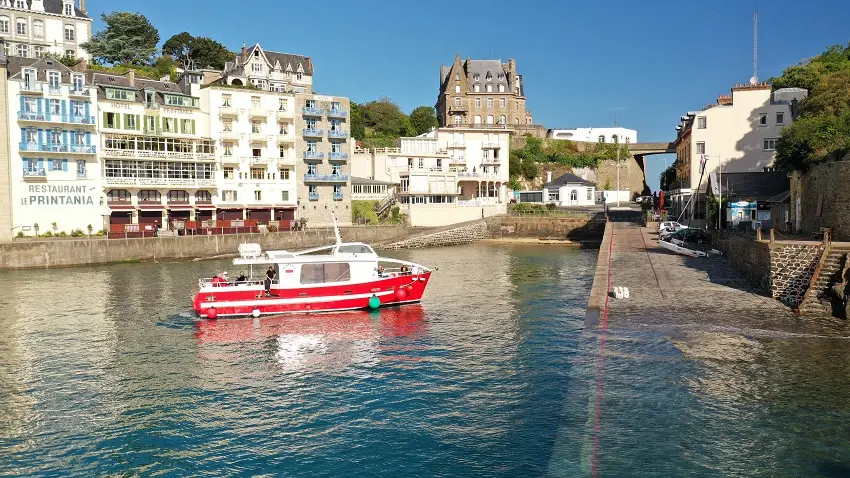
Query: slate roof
{"type": "Point", "coordinates": [752, 186]}
{"type": "Point", "coordinates": [568, 178]}
{"type": "Point", "coordinates": [16, 64]}
{"type": "Point", "coordinates": [51, 6]}
{"type": "Point", "coordinates": [480, 68]}
{"type": "Point", "coordinates": [284, 59]}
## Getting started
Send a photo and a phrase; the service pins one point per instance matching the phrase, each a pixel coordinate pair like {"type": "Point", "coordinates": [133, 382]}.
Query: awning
{"type": "Point", "coordinates": [122, 207]}
{"type": "Point", "coordinates": [151, 207]}
{"type": "Point", "coordinates": [180, 208]}
{"type": "Point", "coordinates": [206, 206]}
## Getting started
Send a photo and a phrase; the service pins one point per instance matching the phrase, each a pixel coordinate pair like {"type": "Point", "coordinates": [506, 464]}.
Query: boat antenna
{"type": "Point", "coordinates": [336, 230]}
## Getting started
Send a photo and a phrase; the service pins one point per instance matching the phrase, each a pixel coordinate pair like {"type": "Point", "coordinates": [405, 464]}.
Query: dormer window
{"type": "Point", "coordinates": [21, 4]}
{"type": "Point", "coordinates": [299, 76]}
{"type": "Point", "coordinates": [69, 9]}
{"type": "Point", "coordinates": [476, 88]}
{"type": "Point", "coordinates": [256, 53]}
{"type": "Point", "coordinates": [501, 88]}
{"type": "Point", "coordinates": [476, 77]}
{"type": "Point", "coordinates": [457, 76]}
{"type": "Point", "coordinates": [489, 77]}
{"type": "Point", "coordinates": [489, 88]}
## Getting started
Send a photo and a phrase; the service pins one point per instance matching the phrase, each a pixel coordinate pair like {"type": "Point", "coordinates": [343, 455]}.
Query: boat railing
{"type": "Point", "coordinates": [208, 282]}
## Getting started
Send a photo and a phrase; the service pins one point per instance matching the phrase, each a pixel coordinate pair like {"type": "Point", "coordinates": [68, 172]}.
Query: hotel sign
{"type": "Point", "coordinates": [54, 195]}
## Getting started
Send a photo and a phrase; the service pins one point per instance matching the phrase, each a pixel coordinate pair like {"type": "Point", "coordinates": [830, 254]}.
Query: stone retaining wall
{"type": "Point", "coordinates": [781, 270]}
{"type": "Point", "coordinates": [549, 227]}
{"type": "Point", "coordinates": [464, 234]}
{"type": "Point", "coordinates": [49, 253]}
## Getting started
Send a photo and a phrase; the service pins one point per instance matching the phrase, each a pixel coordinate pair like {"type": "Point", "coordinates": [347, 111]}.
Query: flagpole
{"type": "Point", "coordinates": [720, 189]}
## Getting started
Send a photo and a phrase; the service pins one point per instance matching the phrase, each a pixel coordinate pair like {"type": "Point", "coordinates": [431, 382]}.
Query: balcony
{"type": "Point", "coordinates": [458, 108]}
{"type": "Point", "coordinates": [313, 155]}
{"type": "Point", "coordinates": [284, 117]}
{"type": "Point", "coordinates": [285, 139]}
{"type": "Point", "coordinates": [136, 153]}
{"type": "Point", "coordinates": [150, 105]}
{"type": "Point", "coordinates": [313, 133]}
{"type": "Point", "coordinates": [257, 113]}
{"type": "Point", "coordinates": [258, 138]}
{"type": "Point", "coordinates": [490, 146]}
{"type": "Point", "coordinates": [314, 196]}
{"type": "Point", "coordinates": [338, 196]}
{"type": "Point", "coordinates": [32, 87]}
{"type": "Point", "coordinates": [339, 134]}
{"type": "Point", "coordinates": [79, 91]}
{"type": "Point", "coordinates": [82, 174]}
{"type": "Point", "coordinates": [337, 113]}
{"type": "Point", "coordinates": [285, 160]}
{"type": "Point", "coordinates": [491, 161]}
{"type": "Point", "coordinates": [230, 135]}
{"type": "Point", "coordinates": [228, 110]}
{"type": "Point", "coordinates": [479, 175]}
{"type": "Point", "coordinates": [35, 173]}
{"type": "Point", "coordinates": [54, 89]}
{"type": "Point", "coordinates": [165, 182]}
{"type": "Point", "coordinates": [229, 159]}
{"type": "Point", "coordinates": [308, 111]}
{"type": "Point", "coordinates": [457, 145]}
{"type": "Point", "coordinates": [257, 160]}
{"type": "Point", "coordinates": [325, 178]}
{"type": "Point", "coordinates": [337, 156]}
{"type": "Point", "coordinates": [58, 148]}
{"type": "Point", "coordinates": [54, 118]}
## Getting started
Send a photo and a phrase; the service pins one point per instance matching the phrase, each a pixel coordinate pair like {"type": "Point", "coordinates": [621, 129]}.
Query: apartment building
{"type": "Point", "coordinates": [270, 71]}
{"type": "Point", "coordinates": [158, 162]}
{"type": "Point", "coordinates": [323, 146]}
{"type": "Point", "coordinates": [34, 28]}
{"type": "Point", "coordinates": [481, 92]}
{"type": "Point", "coordinates": [736, 134]}
{"type": "Point", "coordinates": [596, 135]}
{"type": "Point", "coordinates": [54, 175]}
{"type": "Point", "coordinates": [255, 137]}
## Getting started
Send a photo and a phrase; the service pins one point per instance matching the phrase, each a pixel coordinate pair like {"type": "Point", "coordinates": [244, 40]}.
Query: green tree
{"type": "Point", "coordinates": [384, 118]}
{"type": "Point", "coordinates": [208, 53]}
{"type": "Point", "coordinates": [358, 129]}
{"type": "Point", "coordinates": [128, 39]}
{"type": "Point", "coordinates": [178, 46]}
{"type": "Point", "coordinates": [423, 118]}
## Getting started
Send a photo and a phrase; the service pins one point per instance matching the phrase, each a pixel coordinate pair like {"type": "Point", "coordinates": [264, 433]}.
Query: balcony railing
{"type": "Point", "coordinates": [257, 113]}
{"type": "Point", "coordinates": [54, 118]}
{"type": "Point", "coordinates": [258, 137]}
{"type": "Point", "coordinates": [81, 174]}
{"type": "Point", "coordinates": [79, 91]}
{"type": "Point", "coordinates": [230, 135]}
{"type": "Point", "coordinates": [307, 111]}
{"type": "Point", "coordinates": [491, 161]}
{"type": "Point", "coordinates": [58, 148]}
{"type": "Point", "coordinates": [284, 117]}
{"type": "Point", "coordinates": [150, 105]}
{"type": "Point", "coordinates": [457, 145]}
{"type": "Point", "coordinates": [285, 138]}
{"type": "Point", "coordinates": [35, 172]}
{"type": "Point", "coordinates": [338, 196]}
{"type": "Point", "coordinates": [337, 113]}
{"type": "Point", "coordinates": [285, 160]}
{"type": "Point", "coordinates": [313, 155]}
{"type": "Point", "coordinates": [314, 196]}
{"type": "Point", "coordinates": [337, 134]}
{"type": "Point", "coordinates": [325, 178]}
{"type": "Point", "coordinates": [32, 87]}
{"type": "Point", "coordinates": [54, 89]}
{"type": "Point", "coordinates": [135, 153]}
{"type": "Point", "coordinates": [313, 133]}
{"type": "Point", "coordinates": [478, 175]}
{"type": "Point", "coordinates": [491, 145]}
{"type": "Point", "coordinates": [337, 155]}
{"type": "Point", "coordinates": [189, 183]}
{"type": "Point", "coordinates": [228, 111]}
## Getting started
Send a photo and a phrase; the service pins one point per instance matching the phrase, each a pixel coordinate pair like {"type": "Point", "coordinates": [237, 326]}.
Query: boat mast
{"type": "Point", "coordinates": [336, 230]}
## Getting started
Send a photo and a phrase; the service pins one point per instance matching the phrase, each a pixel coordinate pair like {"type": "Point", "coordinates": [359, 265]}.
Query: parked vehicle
{"type": "Point", "coordinates": [690, 242]}
{"type": "Point", "coordinates": [667, 225]}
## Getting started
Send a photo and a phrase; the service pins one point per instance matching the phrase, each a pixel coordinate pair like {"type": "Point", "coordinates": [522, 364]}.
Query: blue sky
{"type": "Point", "coordinates": [581, 61]}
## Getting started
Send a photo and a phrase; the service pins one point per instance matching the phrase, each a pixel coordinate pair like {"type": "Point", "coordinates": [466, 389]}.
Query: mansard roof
{"type": "Point", "coordinates": [16, 64]}
{"type": "Point", "coordinates": [55, 6]}
{"type": "Point", "coordinates": [272, 57]}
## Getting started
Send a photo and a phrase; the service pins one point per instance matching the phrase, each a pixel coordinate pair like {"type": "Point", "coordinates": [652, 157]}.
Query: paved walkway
{"type": "Point", "coordinates": [673, 290]}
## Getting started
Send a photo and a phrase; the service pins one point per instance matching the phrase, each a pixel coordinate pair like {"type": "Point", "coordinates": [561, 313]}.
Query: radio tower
{"type": "Point", "coordinates": [755, 79]}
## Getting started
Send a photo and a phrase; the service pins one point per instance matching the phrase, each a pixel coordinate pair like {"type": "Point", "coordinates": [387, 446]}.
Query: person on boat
{"type": "Point", "coordinates": [404, 269]}
{"type": "Point", "coordinates": [380, 271]}
{"type": "Point", "coordinates": [270, 275]}
{"type": "Point", "coordinates": [241, 278]}
{"type": "Point", "coordinates": [220, 280]}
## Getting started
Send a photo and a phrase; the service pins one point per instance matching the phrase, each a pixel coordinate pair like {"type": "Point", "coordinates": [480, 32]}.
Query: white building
{"type": "Point", "coordinates": [596, 135]}
{"type": "Point", "coordinates": [737, 134]}
{"type": "Point", "coordinates": [255, 138]}
{"type": "Point", "coordinates": [569, 190]}
{"type": "Point", "coordinates": [270, 71]}
{"type": "Point", "coordinates": [444, 177]}
{"type": "Point", "coordinates": [54, 177]}
{"type": "Point", "coordinates": [157, 159]}
{"type": "Point", "coordinates": [33, 28]}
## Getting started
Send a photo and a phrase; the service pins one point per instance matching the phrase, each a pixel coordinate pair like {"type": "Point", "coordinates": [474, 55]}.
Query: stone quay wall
{"type": "Point", "coordinates": [824, 199]}
{"type": "Point", "coordinates": [464, 233]}
{"type": "Point", "coordinates": [585, 229]}
{"type": "Point", "coordinates": [62, 253]}
{"type": "Point", "coordinates": [781, 270]}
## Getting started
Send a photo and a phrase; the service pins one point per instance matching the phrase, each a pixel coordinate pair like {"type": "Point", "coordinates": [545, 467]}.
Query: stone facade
{"type": "Point", "coordinates": [562, 228]}
{"type": "Point", "coordinates": [461, 234]}
{"type": "Point", "coordinates": [791, 269]}
{"type": "Point", "coordinates": [820, 198]}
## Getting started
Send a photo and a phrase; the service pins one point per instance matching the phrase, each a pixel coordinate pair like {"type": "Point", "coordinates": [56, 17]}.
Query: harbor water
{"type": "Point", "coordinates": [105, 371]}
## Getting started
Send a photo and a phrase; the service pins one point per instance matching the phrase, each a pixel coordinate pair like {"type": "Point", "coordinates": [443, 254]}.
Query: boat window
{"type": "Point", "coordinates": [355, 249]}
{"type": "Point", "coordinates": [312, 273]}
{"type": "Point", "coordinates": [320, 273]}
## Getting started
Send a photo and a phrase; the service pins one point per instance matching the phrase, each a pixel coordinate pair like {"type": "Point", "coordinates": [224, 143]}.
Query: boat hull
{"type": "Point", "coordinates": [240, 301]}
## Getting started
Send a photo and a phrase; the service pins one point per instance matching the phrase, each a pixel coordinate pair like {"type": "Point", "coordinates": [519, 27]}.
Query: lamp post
{"type": "Point", "coordinates": [618, 172]}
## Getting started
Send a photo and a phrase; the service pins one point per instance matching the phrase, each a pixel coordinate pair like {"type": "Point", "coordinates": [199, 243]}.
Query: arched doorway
{"type": "Point", "coordinates": [236, 82]}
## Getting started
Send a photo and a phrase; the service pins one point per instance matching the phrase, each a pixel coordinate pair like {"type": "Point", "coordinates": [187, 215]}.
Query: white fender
{"type": "Point", "coordinates": [255, 312]}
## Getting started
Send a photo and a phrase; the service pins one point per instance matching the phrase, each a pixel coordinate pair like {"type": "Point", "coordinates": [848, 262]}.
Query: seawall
{"type": "Point", "coordinates": [68, 252]}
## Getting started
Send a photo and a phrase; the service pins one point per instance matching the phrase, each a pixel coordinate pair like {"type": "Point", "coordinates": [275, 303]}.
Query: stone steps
{"type": "Point", "coordinates": [819, 299]}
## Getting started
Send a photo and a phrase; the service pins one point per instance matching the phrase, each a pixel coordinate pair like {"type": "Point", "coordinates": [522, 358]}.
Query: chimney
{"type": "Point", "coordinates": [244, 52]}
{"type": "Point", "coordinates": [309, 63]}
{"type": "Point", "coordinates": [548, 176]}
{"type": "Point", "coordinates": [131, 76]}
{"type": "Point", "coordinates": [83, 6]}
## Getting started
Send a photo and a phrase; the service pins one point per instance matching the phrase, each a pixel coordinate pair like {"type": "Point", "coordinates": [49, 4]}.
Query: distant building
{"type": "Point", "coordinates": [569, 190]}
{"type": "Point", "coordinates": [34, 28]}
{"type": "Point", "coordinates": [737, 134]}
{"type": "Point", "coordinates": [481, 92]}
{"type": "Point", "coordinates": [596, 135]}
{"type": "Point", "coordinates": [270, 71]}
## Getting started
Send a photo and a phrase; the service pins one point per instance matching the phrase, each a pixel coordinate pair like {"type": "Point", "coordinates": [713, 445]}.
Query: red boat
{"type": "Point", "coordinates": [343, 276]}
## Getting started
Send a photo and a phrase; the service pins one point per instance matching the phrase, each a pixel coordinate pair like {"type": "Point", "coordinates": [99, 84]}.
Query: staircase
{"type": "Point", "coordinates": [386, 203]}
{"type": "Point", "coordinates": [817, 300]}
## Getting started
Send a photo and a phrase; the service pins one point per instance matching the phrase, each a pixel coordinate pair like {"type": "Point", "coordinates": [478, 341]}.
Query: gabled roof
{"type": "Point", "coordinates": [296, 61]}
{"type": "Point", "coordinates": [752, 186]}
{"type": "Point", "coordinates": [568, 178]}
{"type": "Point", "coordinates": [16, 64]}
{"type": "Point", "coordinates": [483, 67]}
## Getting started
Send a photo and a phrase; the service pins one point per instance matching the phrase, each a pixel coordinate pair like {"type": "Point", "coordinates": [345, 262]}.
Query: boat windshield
{"type": "Point", "coordinates": [355, 249]}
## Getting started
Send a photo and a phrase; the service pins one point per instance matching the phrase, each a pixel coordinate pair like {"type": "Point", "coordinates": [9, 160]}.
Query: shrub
{"type": "Point", "coordinates": [62, 234]}
{"type": "Point", "coordinates": [20, 234]}
{"type": "Point", "coordinates": [77, 233]}
{"type": "Point", "coordinates": [100, 233]}
{"type": "Point", "coordinates": [550, 206]}
{"type": "Point", "coordinates": [365, 211]}
{"type": "Point", "coordinates": [47, 234]}
{"type": "Point", "coordinates": [272, 228]}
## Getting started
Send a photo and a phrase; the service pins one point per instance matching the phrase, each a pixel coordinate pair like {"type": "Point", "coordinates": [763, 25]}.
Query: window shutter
{"type": "Point", "coordinates": [26, 164]}
{"type": "Point", "coordinates": [23, 136]}
{"type": "Point", "coordinates": [88, 139]}
{"type": "Point", "coordinates": [41, 136]}
{"type": "Point", "coordinates": [193, 126]}
{"type": "Point", "coordinates": [65, 137]}
{"type": "Point", "coordinates": [65, 165]}
{"type": "Point", "coordinates": [40, 163]}
{"type": "Point", "coordinates": [64, 108]}
{"type": "Point", "coordinates": [87, 109]}
{"type": "Point", "coordinates": [118, 121]}
{"type": "Point", "coordinates": [138, 125]}
{"type": "Point", "coordinates": [104, 119]}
